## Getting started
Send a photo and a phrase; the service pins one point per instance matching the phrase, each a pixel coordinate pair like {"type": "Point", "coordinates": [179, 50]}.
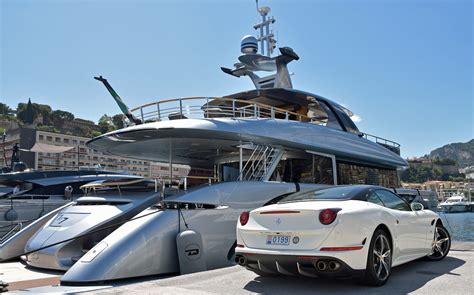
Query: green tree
{"type": "Point", "coordinates": [118, 121]}
{"type": "Point", "coordinates": [106, 124]}
{"type": "Point", "coordinates": [95, 133]}
{"type": "Point", "coordinates": [6, 110]}
{"type": "Point", "coordinates": [58, 117]}
{"type": "Point", "coordinates": [26, 112]}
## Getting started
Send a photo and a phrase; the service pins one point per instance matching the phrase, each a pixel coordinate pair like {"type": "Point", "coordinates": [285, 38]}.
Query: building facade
{"type": "Point", "coordinates": [79, 156]}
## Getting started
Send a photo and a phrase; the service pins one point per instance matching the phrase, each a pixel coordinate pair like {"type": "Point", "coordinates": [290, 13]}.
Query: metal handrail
{"type": "Point", "coordinates": [159, 111]}
{"type": "Point", "coordinates": [12, 231]}
{"type": "Point", "coordinates": [180, 107]}
{"type": "Point", "coordinates": [381, 140]}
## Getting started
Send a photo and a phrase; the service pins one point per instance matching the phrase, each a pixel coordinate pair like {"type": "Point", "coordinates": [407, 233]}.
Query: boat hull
{"type": "Point", "coordinates": [152, 141]}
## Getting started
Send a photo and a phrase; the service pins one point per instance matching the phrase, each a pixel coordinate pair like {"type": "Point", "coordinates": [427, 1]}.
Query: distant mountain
{"type": "Point", "coordinates": [462, 153]}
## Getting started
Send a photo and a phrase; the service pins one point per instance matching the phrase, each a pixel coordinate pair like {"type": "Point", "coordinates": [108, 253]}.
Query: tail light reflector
{"type": "Point", "coordinates": [244, 218]}
{"type": "Point", "coordinates": [327, 216]}
{"type": "Point", "coordinates": [341, 248]}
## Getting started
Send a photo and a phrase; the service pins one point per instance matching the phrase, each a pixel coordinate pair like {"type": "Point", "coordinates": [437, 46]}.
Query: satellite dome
{"type": "Point", "coordinates": [249, 45]}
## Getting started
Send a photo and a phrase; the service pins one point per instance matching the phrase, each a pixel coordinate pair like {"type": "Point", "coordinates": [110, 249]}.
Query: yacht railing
{"type": "Point", "coordinates": [391, 145]}
{"type": "Point", "coordinates": [13, 230]}
{"type": "Point", "coordinates": [198, 108]}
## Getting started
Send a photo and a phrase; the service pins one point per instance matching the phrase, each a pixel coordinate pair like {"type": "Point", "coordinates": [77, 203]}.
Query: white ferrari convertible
{"type": "Point", "coordinates": [359, 230]}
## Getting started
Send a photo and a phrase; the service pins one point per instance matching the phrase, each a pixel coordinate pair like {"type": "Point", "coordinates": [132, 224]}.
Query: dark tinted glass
{"type": "Point", "coordinates": [407, 198]}
{"type": "Point", "coordinates": [348, 123]}
{"type": "Point", "coordinates": [373, 198]}
{"type": "Point", "coordinates": [321, 114]}
{"type": "Point", "coordinates": [307, 169]}
{"type": "Point", "coordinates": [331, 193]}
{"type": "Point", "coordinates": [392, 201]}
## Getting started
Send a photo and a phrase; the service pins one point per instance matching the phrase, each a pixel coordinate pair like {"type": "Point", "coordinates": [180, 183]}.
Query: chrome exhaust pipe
{"type": "Point", "coordinates": [241, 260]}
{"type": "Point", "coordinates": [333, 265]}
{"type": "Point", "coordinates": [321, 265]}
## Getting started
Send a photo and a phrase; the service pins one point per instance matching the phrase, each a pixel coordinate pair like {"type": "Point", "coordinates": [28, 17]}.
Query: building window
{"type": "Point", "coordinates": [41, 137]}
{"type": "Point", "coordinates": [66, 140]}
{"type": "Point", "coordinates": [57, 139]}
{"type": "Point", "coordinates": [49, 138]}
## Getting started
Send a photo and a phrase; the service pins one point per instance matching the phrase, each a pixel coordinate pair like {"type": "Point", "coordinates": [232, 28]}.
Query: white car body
{"type": "Point", "coordinates": [410, 233]}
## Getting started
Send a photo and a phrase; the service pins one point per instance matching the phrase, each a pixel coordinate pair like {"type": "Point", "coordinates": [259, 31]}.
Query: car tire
{"type": "Point", "coordinates": [441, 244]}
{"type": "Point", "coordinates": [379, 259]}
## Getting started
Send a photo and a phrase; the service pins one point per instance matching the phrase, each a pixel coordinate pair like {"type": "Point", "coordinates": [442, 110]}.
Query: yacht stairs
{"type": "Point", "coordinates": [261, 163]}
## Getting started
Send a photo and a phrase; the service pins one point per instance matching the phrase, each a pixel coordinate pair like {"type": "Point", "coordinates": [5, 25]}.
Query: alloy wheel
{"type": "Point", "coordinates": [440, 244]}
{"type": "Point", "coordinates": [382, 257]}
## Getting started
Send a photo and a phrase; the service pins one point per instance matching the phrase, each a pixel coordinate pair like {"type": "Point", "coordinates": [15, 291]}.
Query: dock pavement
{"type": "Point", "coordinates": [453, 275]}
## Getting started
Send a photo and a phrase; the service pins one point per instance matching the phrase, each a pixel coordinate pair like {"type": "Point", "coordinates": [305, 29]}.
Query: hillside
{"type": "Point", "coordinates": [462, 153]}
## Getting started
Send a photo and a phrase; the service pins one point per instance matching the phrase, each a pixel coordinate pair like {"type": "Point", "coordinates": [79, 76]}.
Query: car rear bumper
{"type": "Point", "coordinates": [353, 260]}
{"type": "Point", "coordinates": [310, 266]}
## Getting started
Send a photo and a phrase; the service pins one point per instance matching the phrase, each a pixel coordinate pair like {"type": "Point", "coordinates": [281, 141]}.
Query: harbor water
{"type": "Point", "coordinates": [459, 225]}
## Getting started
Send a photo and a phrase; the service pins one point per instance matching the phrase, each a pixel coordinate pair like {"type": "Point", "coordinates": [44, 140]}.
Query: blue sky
{"type": "Point", "coordinates": [404, 66]}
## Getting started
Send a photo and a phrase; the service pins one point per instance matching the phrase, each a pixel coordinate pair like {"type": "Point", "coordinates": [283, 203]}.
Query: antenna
{"type": "Point", "coordinates": [266, 37]}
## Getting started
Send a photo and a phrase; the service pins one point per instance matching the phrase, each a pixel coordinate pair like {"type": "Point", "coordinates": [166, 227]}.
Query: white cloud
{"type": "Point", "coordinates": [356, 118]}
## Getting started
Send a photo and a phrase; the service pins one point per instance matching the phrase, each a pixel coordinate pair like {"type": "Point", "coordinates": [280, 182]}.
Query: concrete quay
{"type": "Point", "coordinates": [453, 275]}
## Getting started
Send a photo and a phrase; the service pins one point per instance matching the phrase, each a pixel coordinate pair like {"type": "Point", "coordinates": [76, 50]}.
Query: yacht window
{"type": "Point", "coordinates": [307, 169]}
{"type": "Point", "coordinates": [319, 113]}
{"type": "Point", "coordinates": [358, 174]}
{"type": "Point", "coordinates": [230, 172]}
{"type": "Point", "coordinates": [346, 120]}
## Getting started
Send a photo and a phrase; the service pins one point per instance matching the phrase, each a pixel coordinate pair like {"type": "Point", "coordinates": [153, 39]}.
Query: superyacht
{"type": "Point", "coordinates": [245, 150]}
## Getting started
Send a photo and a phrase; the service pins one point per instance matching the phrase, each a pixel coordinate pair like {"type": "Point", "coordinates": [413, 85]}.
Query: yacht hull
{"type": "Point", "coordinates": [151, 141]}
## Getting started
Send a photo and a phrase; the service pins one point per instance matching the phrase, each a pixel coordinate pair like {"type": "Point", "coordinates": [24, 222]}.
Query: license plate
{"type": "Point", "coordinates": [278, 240]}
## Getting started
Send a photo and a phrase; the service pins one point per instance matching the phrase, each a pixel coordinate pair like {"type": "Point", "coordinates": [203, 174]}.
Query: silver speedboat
{"type": "Point", "coordinates": [29, 195]}
{"type": "Point", "coordinates": [75, 227]}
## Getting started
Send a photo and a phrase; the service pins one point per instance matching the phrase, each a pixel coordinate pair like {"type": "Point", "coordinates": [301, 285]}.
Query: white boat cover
{"type": "Point", "coordinates": [49, 148]}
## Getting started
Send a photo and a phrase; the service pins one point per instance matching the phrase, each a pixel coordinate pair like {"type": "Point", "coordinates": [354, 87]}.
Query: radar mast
{"type": "Point", "coordinates": [251, 61]}
{"type": "Point", "coordinates": [266, 36]}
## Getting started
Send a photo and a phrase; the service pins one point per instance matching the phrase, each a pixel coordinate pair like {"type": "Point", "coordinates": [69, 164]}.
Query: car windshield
{"type": "Point", "coordinates": [331, 193]}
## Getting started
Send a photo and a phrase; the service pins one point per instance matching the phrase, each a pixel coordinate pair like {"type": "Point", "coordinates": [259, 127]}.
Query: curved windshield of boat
{"type": "Point", "coordinates": [140, 185]}
{"type": "Point", "coordinates": [453, 200]}
{"type": "Point", "coordinates": [321, 114]}
{"type": "Point", "coordinates": [331, 193]}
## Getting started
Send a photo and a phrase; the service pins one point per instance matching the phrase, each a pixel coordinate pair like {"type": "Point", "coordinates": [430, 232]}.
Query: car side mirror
{"type": "Point", "coordinates": [415, 206]}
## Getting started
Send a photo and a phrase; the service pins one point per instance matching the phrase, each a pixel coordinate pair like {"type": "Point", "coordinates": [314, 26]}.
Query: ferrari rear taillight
{"type": "Point", "coordinates": [244, 218]}
{"type": "Point", "coordinates": [327, 216]}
